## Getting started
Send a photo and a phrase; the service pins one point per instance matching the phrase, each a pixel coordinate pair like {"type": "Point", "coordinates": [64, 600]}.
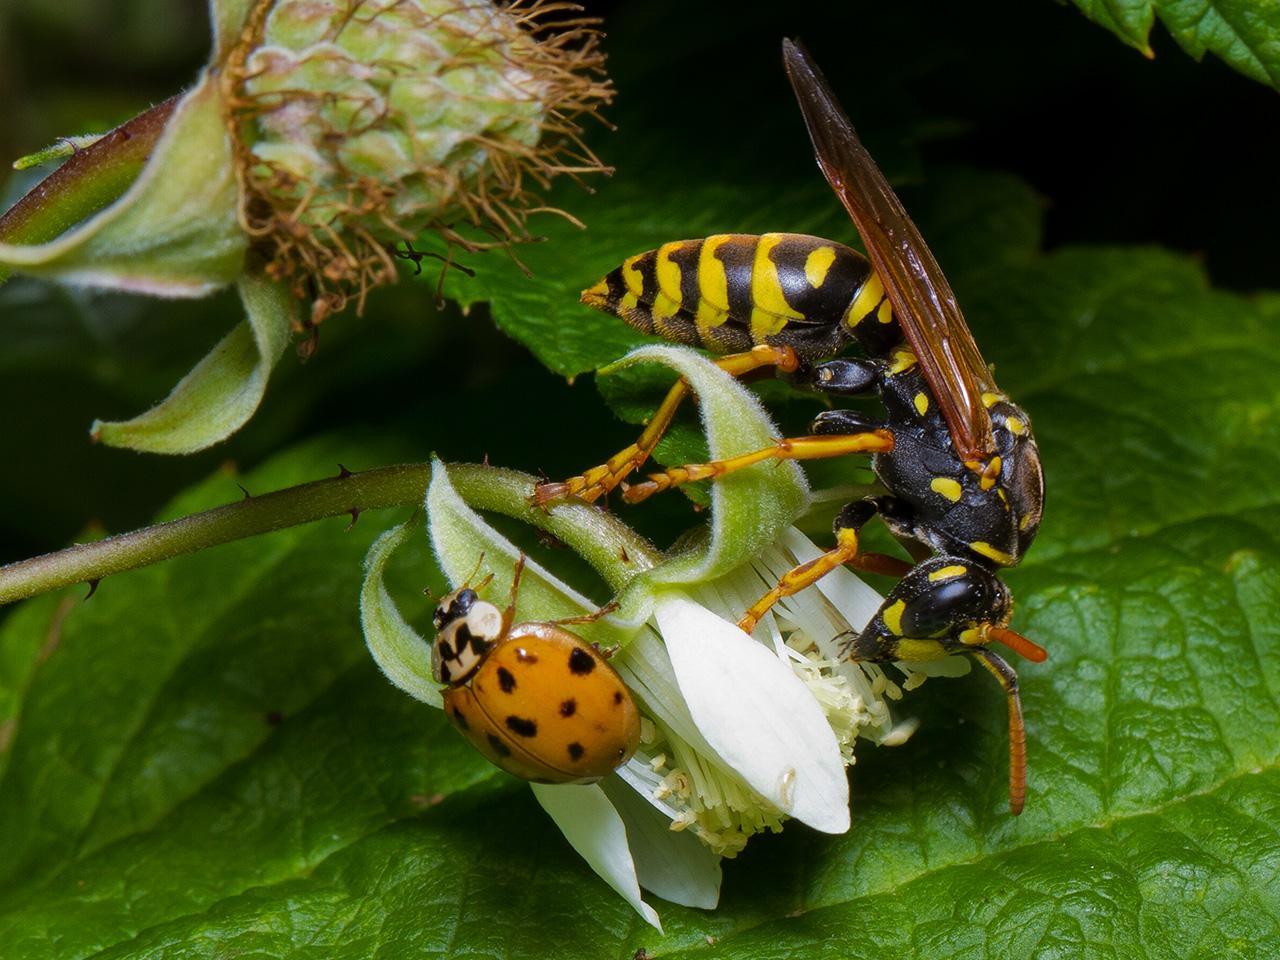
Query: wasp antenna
{"type": "Point", "coordinates": [1019, 644]}
{"type": "Point", "coordinates": [1008, 678]}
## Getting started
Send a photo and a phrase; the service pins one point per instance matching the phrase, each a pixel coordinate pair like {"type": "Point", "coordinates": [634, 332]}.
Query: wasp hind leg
{"type": "Point", "coordinates": [594, 483]}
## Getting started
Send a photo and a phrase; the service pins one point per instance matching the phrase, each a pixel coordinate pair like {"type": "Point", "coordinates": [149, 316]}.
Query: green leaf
{"type": "Point", "coordinates": [149, 806]}
{"type": "Point", "coordinates": [1244, 33]}
{"type": "Point", "coordinates": [224, 389]}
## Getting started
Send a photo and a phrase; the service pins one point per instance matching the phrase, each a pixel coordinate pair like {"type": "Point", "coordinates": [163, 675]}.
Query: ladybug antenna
{"type": "Point", "coordinates": [471, 576]}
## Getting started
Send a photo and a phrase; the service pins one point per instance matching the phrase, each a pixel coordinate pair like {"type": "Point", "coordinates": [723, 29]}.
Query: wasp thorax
{"type": "Point", "coordinates": [466, 627]}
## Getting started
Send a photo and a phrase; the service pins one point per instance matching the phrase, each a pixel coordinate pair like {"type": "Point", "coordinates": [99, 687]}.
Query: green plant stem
{"type": "Point", "coordinates": [402, 485]}
{"type": "Point", "coordinates": [89, 180]}
{"type": "Point", "coordinates": [616, 550]}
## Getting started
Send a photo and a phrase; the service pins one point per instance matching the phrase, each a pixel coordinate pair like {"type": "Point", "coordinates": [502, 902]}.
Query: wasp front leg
{"type": "Point", "coordinates": [847, 526]}
{"type": "Point", "coordinates": [597, 481]}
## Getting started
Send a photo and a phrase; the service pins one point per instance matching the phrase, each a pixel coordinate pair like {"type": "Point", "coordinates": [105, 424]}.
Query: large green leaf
{"type": "Point", "coordinates": [1244, 33]}
{"type": "Point", "coordinates": [203, 759]}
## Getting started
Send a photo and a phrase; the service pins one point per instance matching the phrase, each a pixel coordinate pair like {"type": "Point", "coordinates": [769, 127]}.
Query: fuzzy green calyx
{"type": "Point", "coordinates": [361, 125]}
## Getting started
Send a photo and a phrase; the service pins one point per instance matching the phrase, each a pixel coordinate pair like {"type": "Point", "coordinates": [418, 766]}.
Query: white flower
{"type": "Point", "coordinates": [739, 733]}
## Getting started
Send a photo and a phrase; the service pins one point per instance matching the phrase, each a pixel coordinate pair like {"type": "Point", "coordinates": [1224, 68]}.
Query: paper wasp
{"type": "Point", "coordinates": [957, 457]}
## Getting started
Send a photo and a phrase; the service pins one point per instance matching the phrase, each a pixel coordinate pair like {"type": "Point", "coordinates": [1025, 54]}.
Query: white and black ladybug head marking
{"type": "Point", "coordinates": [466, 627]}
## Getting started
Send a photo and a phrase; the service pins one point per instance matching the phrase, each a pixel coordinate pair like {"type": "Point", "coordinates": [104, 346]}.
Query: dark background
{"type": "Point", "coordinates": [1123, 150]}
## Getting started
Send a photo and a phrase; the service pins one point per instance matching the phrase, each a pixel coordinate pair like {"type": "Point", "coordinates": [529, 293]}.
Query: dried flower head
{"type": "Point", "coordinates": [360, 125]}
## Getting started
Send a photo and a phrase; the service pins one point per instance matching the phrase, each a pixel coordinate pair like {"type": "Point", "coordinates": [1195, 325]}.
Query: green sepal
{"type": "Point", "coordinates": [750, 508]}
{"type": "Point", "coordinates": [398, 650]}
{"type": "Point", "coordinates": [62, 148]}
{"type": "Point", "coordinates": [224, 389]}
{"type": "Point", "coordinates": [468, 549]}
{"type": "Point", "coordinates": [174, 233]}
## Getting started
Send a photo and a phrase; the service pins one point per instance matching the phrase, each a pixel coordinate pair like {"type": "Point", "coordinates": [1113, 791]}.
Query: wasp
{"type": "Point", "coordinates": [957, 457]}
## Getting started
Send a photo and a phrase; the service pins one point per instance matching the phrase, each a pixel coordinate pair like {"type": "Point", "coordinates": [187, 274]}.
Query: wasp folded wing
{"type": "Point", "coordinates": [922, 299]}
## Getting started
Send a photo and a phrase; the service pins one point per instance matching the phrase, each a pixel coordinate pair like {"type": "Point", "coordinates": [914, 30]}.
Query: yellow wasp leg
{"type": "Point", "coordinates": [786, 448]}
{"type": "Point", "coordinates": [811, 571]}
{"type": "Point", "coordinates": [594, 483]}
{"type": "Point", "coordinates": [1008, 679]}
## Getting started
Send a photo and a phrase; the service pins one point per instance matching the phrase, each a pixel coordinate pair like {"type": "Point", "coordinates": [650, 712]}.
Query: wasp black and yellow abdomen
{"type": "Point", "coordinates": [732, 291]}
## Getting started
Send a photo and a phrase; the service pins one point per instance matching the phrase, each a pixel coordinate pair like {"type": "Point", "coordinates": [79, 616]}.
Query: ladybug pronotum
{"type": "Point", "coordinates": [533, 698]}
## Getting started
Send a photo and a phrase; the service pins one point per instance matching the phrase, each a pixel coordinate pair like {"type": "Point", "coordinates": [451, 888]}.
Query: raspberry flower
{"type": "Point", "coordinates": [739, 733]}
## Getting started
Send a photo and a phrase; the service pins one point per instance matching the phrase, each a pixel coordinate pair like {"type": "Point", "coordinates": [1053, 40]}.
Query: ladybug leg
{"type": "Point", "coordinates": [785, 448]}
{"type": "Point", "coordinates": [592, 617]}
{"type": "Point", "coordinates": [848, 523]}
{"type": "Point", "coordinates": [594, 483]}
{"type": "Point", "coordinates": [509, 615]}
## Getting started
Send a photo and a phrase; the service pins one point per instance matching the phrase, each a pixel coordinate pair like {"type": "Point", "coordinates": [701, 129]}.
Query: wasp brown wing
{"type": "Point", "coordinates": [922, 299]}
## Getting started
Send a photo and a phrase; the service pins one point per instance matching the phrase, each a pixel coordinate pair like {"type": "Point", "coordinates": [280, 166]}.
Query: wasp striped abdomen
{"type": "Point", "coordinates": [730, 292]}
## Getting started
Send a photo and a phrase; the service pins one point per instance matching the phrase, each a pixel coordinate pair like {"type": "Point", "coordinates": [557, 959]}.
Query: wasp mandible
{"type": "Point", "coordinates": [957, 457]}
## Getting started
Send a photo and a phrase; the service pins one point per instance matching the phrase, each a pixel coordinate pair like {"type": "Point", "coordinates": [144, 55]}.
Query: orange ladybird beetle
{"type": "Point", "coordinates": [535, 699]}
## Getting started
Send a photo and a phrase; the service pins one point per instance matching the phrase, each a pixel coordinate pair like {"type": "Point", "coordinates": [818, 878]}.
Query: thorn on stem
{"type": "Point", "coordinates": [343, 472]}
{"type": "Point", "coordinates": [93, 587]}
{"type": "Point", "coordinates": [355, 515]}
{"type": "Point", "coordinates": [247, 494]}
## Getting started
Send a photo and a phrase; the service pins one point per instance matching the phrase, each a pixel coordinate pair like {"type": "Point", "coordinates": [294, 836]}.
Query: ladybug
{"type": "Point", "coordinates": [533, 698]}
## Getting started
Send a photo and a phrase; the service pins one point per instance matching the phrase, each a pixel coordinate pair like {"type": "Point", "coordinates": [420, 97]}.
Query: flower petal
{"type": "Point", "coordinates": [402, 655]}
{"type": "Point", "coordinates": [756, 714]}
{"type": "Point", "coordinates": [223, 390]}
{"type": "Point", "coordinates": [593, 827]}
{"type": "Point", "coordinates": [673, 864]}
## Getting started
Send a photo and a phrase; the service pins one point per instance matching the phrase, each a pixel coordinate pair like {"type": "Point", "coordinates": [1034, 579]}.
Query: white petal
{"type": "Point", "coordinates": [593, 828]}
{"type": "Point", "coordinates": [675, 865]}
{"type": "Point", "coordinates": [756, 714]}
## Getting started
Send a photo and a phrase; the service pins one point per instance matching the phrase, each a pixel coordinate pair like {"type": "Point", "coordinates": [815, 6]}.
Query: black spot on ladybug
{"type": "Point", "coordinates": [581, 662]}
{"type": "Point", "coordinates": [498, 747]}
{"type": "Point", "coordinates": [524, 656]}
{"type": "Point", "coordinates": [461, 718]}
{"type": "Point", "coordinates": [461, 637]}
{"type": "Point", "coordinates": [522, 727]}
{"type": "Point", "coordinates": [505, 680]}
{"type": "Point", "coordinates": [576, 750]}
{"type": "Point", "coordinates": [569, 707]}
{"type": "Point", "coordinates": [617, 697]}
